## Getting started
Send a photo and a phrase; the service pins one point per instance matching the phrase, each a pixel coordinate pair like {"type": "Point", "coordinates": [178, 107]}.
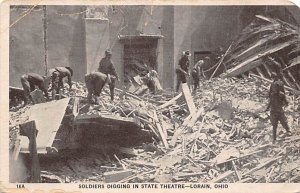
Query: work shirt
{"type": "Point", "coordinates": [196, 69]}
{"type": "Point", "coordinates": [277, 96]}
{"type": "Point", "coordinates": [36, 79]}
{"type": "Point", "coordinates": [62, 72]}
{"type": "Point", "coordinates": [184, 63]}
{"type": "Point", "coordinates": [106, 66]}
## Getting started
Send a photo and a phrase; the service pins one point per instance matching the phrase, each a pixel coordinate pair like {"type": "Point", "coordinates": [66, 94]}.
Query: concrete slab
{"type": "Point", "coordinates": [48, 117]}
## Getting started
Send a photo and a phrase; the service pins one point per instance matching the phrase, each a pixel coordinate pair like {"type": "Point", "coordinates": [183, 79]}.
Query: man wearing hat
{"type": "Point", "coordinates": [196, 73]}
{"type": "Point", "coordinates": [106, 67]}
{"type": "Point", "coordinates": [57, 74]}
{"type": "Point", "coordinates": [276, 103]}
{"type": "Point", "coordinates": [30, 81]}
{"type": "Point", "coordinates": [182, 71]}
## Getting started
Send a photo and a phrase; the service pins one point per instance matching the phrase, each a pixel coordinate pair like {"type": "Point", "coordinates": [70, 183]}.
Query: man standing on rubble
{"type": "Point", "coordinates": [276, 103]}
{"type": "Point", "coordinates": [106, 66]}
{"type": "Point", "coordinates": [196, 74]}
{"type": "Point", "coordinates": [57, 74]}
{"type": "Point", "coordinates": [30, 81]}
{"type": "Point", "coordinates": [182, 71]}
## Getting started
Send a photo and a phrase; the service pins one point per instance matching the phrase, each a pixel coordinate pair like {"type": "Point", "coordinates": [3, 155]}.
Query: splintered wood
{"type": "Point", "coordinates": [220, 134]}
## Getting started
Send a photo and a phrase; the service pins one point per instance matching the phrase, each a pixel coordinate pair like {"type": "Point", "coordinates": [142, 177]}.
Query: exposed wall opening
{"type": "Point", "coordinates": [140, 56]}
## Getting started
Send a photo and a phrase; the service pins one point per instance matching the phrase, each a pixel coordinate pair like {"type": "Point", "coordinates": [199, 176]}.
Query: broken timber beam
{"type": "Point", "coordinates": [170, 102]}
{"type": "Point", "coordinates": [29, 129]}
{"type": "Point", "coordinates": [116, 176]}
{"type": "Point", "coordinates": [188, 123]}
{"type": "Point", "coordinates": [232, 159]}
{"type": "Point", "coordinates": [222, 176]}
{"type": "Point", "coordinates": [76, 106]}
{"type": "Point", "coordinates": [286, 87]}
{"type": "Point", "coordinates": [246, 65]}
{"type": "Point", "coordinates": [188, 98]}
{"type": "Point", "coordinates": [142, 163]}
{"type": "Point", "coordinates": [261, 166]}
{"type": "Point", "coordinates": [160, 130]}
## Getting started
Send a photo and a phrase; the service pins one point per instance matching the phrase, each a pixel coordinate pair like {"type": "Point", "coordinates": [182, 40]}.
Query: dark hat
{"type": "Point", "coordinates": [187, 53]}
{"type": "Point", "coordinates": [108, 52]}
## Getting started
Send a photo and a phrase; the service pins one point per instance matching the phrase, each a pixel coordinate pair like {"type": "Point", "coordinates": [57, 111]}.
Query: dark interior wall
{"type": "Point", "coordinates": [65, 41]}
{"type": "Point", "coordinates": [26, 44]}
{"type": "Point", "coordinates": [66, 38]}
{"type": "Point", "coordinates": [218, 26]}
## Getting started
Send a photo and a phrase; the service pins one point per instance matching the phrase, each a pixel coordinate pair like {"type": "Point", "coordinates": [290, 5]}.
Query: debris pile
{"type": "Point", "coordinates": [227, 139]}
{"type": "Point", "coordinates": [264, 46]}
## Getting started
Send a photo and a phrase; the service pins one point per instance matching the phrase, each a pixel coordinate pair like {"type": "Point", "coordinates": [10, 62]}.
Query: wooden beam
{"type": "Point", "coordinates": [258, 70]}
{"type": "Point", "coordinates": [267, 69]}
{"type": "Point", "coordinates": [261, 166]}
{"type": "Point", "coordinates": [269, 81]}
{"type": "Point", "coordinates": [76, 106]}
{"type": "Point", "coordinates": [29, 129]}
{"type": "Point", "coordinates": [188, 98]}
{"type": "Point", "coordinates": [170, 102]}
{"type": "Point", "coordinates": [236, 172]}
{"type": "Point", "coordinates": [222, 176]}
{"type": "Point", "coordinates": [232, 159]}
{"type": "Point", "coordinates": [293, 79]}
{"type": "Point", "coordinates": [188, 123]}
{"type": "Point", "coordinates": [160, 130]}
{"type": "Point", "coordinates": [240, 67]}
{"type": "Point", "coordinates": [142, 163]}
{"type": "Point", "coordinates": [116, 176]}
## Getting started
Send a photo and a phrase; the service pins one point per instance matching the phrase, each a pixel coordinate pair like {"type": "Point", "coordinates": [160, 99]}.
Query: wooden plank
{"type": "Point", "coordinates": [232, 159]}
{"type": "Point", "coordinates": [29, 129]}
{"type": "Point", "coordinates": [170, 102]}
{"type": "Point", "coordinates": [258, 70]}
{"type": "Point", "coordinates": [269, 81]}
{"type": "Point", "coordinates": [240, 67]}
{"type": "Point", "coordinates": [188, 123]}
{"type": "Point", "coordinates": [116, 176]}
{"type": "Point", "coordinates": [293, 79]}
{"type": "Point", "coordinates": [236, 172]}
{"type": "Point", "coordinates": [16, 151]}
{"type": "Point", "coordinates": [261, 166]}
{"type": "Point", "coordinates": [220, 61]}
{"type": "Point", "coordinates": [188, 98]}
{"type": "Point", "coordinates": [188, 175]}
{"type": "Point", "coordinates": [162, 135]}
{"type": "Point", "coordinates": [160, 130]}
{"type": "Point", "coordinates": [222, 177]}
{"type": "Point", "coordinates": [142, 163]}
{"type": "Point", "coordinates": [267, 69]}
{"type": "Point", "coordinates": [76, 106]}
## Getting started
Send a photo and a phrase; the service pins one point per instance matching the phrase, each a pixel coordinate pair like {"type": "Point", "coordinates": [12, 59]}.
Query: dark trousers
{"type": "Point", "coordinates": [196, 79]}
{"type": "Point", "coordinates": [57, 84]}
{"type": "Point", "coordinates": [181, 78]}
{"type": "Point", "coordinates": [278, 116]}
{"type": "Point", "coordinates": [95, 84]}
{"type": "Point", "coordinates": [27, 87]}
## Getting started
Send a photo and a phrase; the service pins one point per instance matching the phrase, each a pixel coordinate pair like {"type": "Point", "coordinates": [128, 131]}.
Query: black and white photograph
{"type": "Point", "coordinates": [154, 94]}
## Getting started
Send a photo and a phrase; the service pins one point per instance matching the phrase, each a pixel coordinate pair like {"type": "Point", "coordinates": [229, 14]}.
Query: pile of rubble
{"type": "Point", "coordinates": [264, 46]}
{"type": "Point", "coordinates": [220, 134]}
{"type": "Point", "coordinates": [227, 139]}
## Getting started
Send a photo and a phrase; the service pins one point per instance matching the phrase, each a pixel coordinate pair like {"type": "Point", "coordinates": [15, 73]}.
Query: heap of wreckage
{"type": "Point", "coordinates": [220, 134]}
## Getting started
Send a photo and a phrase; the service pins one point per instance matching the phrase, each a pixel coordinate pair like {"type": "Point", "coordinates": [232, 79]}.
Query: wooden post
{"type": "Point", "coordinates": [188, 97]}
{"type": "Point", "coordinates": [29, 129]}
